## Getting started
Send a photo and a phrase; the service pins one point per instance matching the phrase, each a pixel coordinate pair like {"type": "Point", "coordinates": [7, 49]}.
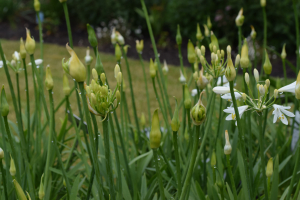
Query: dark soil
{"type": "Point", "coordinates": [80, 38]}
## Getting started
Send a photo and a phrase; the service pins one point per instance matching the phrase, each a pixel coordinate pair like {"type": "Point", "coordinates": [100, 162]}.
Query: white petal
{"type": "Point", "coordinates": [221, 90]}
{"type": "Point", "coordinates": [288, 113]}
{"type": "Point", "coordinates": [228, 96]}
{"type": "Point", "coordinates": [284, 120]}
{"type": "Point", "coordinates": [275, 117]}
{"type": "Point", "coordinates": [38, 61]}
{"type": "Point", "coordinates": [229, 117]}
{"type": "Point", "coordinates": [288, 88]}
{"type": "Point", "coordinates": [194, 92]}
{"type": "Point", "coordinates": [235, 123]}
{"type": "Point", "coordinates": [229, 110]}
{"type": "Point", "coordinates": [224, 80]}
{"type": "Point", "coordinates": [242, 109]}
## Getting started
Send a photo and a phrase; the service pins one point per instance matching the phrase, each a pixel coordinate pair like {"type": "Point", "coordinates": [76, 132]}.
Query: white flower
{"type": "Point", "coordinates": [232, 115]}
{"type": "Point", "coordinates": [224, 80]}
{"type": "Point", "coordinates": [182, 78]}
{"type": "Point", "coordinates": [88, 59]}
{"type": "Point", "coordinates": [221, 90]}
{"type": "Point", "coordinates": [194, 92]}
{"type": "Point", "coordinates": [165, 68]}
{"type": "Point", "coordinates": [280, 112]}
{"type": "Point", "coordinates": [16, 56]}
{"type": "Point", "coordinates": [120, 38]}
{"type": "Point", "coordinates": [38, 62]}
{"type": "Point", "coordinates": [1, 63]}
{"type": "Point", "coordinates": [228, 96]}
{"type": "Point", "coordinates": [288, 88]}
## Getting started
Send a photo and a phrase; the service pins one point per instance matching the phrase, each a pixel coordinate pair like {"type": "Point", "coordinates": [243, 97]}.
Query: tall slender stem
{"type": "Point", "coordinates": [187, 182]}
{"type": "Point", "coordinates": [285, 80]}
{"type": "Point", "coordinates": [88, 73]}
{"type": "Point", "coordinates": [231, 177]}
{"type": "Point", "coordinates": [68, 23]}
{"type": "Point", "coordinates": [19, 97]}
{"type": "Point", "coordinates": [161, 186]}
{"type": "Point", "coordinates": [262, 154]}
{"type": "Point", "coordinates": [146, 87]}
{"type": "Point", "coordinates": [265, 39]}
{"type": "Point", "coordinates": [178, 170]}
{"type": "Point", "coordinates": [94, 156]}
{"type": "Point", "coordinates": [4, 180]}
{"type": "Point", "coordinates": [27, 103]}
{"type": "Point", "coordinates": [240, 39]}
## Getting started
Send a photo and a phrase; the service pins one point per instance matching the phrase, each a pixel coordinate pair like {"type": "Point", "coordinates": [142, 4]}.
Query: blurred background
{"type": "Point", "coordinates": [127, 17]}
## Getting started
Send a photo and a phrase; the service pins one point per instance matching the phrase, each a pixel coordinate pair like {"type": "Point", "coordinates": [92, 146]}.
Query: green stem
{"type": "Point", "coordinates": [240, 39]}
{"type": "Point", "coordinates": [262, 156]}
{"type": "Point", "coordinates": [265, 40]}
{"type": "Point", "coordinates": [231, 177]}
{"type": "Point", "coordinates": [267, 110]}
{"type": "Point", "coordinates": [178, 170]}
{"type": "Point", "coordinates": [161, 75]}
{"type": "Point", "coordinates": [187, 182]}
{"type": "Point", "coordinates": [20, 128]}
{"type": "Point", "coordinates": [117, 159]}
{"type": "Point", "coordinates": [180, 57]}
{"type": "Point", "coordinates": [13, 148]}
{"type": "Point", "coordinates": [27, 103]}
{"type": "Point", "coordinates": [161, 186]}
{"type": "Point", "coordinates": [52, 136]}
{"type": "Point", "coordinates": [297, 191]}
{"type": "Point", "coordinates": [88, 74]}
{"type": "Point", "coordinates": [19, 97]}
{"type": "Point", "coordinates": [184, 111]}
{"type": "Point", "coordinates": [146, 87]}
{"type": "Point", "coordinates": [94, 156]}
{"type": "Point", "coordinates": [65, 7]}
{"type": "Point", "coordinates": [4, 180]}
{"type": "Point", "coordinates": [241, 132]}
{"type": "Point", "coordinates": [285, 80]}
{"type": "Point", "coordinates": [132, 97]}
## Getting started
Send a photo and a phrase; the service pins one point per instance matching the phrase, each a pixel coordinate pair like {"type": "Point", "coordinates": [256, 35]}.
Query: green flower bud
{"type": "Point", "coordinates": [92, 36]}
{"type": "Point", "coordinates": [22, 49]}
{"type": "Point", "coordinates": [119, 78]}
{"type": "Point", "coordinates": [94, 74]}
{"type": "Point", "coordinates": [275, 93]}
{"type": "Point", "coordinates": [37, 5]}
{"type": "Point", "coordinates": [175, 124]}
{"type": "Point", "coordinates": [263, 3]}
{"type": "Point", "coordinates": [99, 66]}
{"type": "Point", "coordinates": [1, 154]}
{"type": "Point", "coordinates": [178, 36]}
{"type": "Point", "coordinates": [155, 134]}
{"type": "Point", "coordinates": [48, 79]}
{"type": "Point", "coordinates": [75, 67]}
{"type": "Point", "coordinates": [214, 41]}
{"type": "Point", "coordinates": [267, 65]}
{"type": "Point", "coordinates": [245, 55]}
{"type": "Point", "coordinates": [253, 33]}
{"type": "Point", "coordinates": [297, 87]}
{"type": "Point", "coordinates": [118, 52]}
{"type": "Point", "coordinates": [209, 25]}
{"type": "Point", "coordinates": [12, 169]}
{"type": "Point", "coordinates": [116, 70]}
{"type": "Point", "coordinates": [247, 79]}
{"type": "Point", "coordinates": [283, 53]}
{"type": "Point", "coordinates": [256, 75]}
{"type": "Point", "coordinates": [30, 43]}
{"type": "Point", "coordinates": [187, 98]}
{"type": "Point", "coordinates": [152, 69]}
{"type": "Point", "coordinates": [237, 60]}
{"type": "Point", "coordinates": [42, 189]}
{"type": "Point", "coordinates": [239, 20]}
{"type": "Point", "coordinates": [227, 147]}
{"type": "Point", "coordinates": [199, 35]}
{"type": "Point", "coordinates": [269, 170]}
{"type": "Point", "coordinates": [103, 78]}
{"type": "Point", "coordinates": [230, 72]}
{"type": "Point", "coordinates": [125, 47]}
{"type": "Point", "coordinates": [143, 120]}
{"type": "Point", "coordinates": [213, 160]}
{"type": "Point", "coordinates": [3, 103]}
{"type": "Point", "coordinates": [139, 46]}
{"type": "Point", "coordinates": [191, 52]}
{"type": "Point", "coordinates": [20, 193]}
{"type": "Point", "coordinates": [267, 83]}
{"type": "Point", "coordinates": [206, 30]}
{"type": "Point", "coordinates": [66, 86]}
{"type": "Point", "coordinates": [198, 112]}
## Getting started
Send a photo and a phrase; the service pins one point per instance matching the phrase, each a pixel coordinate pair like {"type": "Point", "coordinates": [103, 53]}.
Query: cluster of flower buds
{"type": "Point", "coordinates": [100, 97]}
{"type": "Point", "coordinates": [116, 37]}
{"type": "Point", "coordinates": [15, 63]}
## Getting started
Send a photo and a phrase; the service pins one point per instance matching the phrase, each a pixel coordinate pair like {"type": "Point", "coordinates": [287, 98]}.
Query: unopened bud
{"type": "Point", "coordinates": [165, 68]}
{"type": "Point", "coordinates": [118, 52]}
{"type": "Point", "coordinates": [237, 60]}
{"type": "Point", "coordinates": [199, 35]}
{"type": "Point", "coordinates": [116, 70]}
{"type": "Point", "coordinates": [139, 46]}
{"type": "Point", "coordinates": [256, 75]}
{"type": "Point", "coordinates": [267, 83]}
{"type": "Point", "coordinates": [4, 107]}
{"type": "Point", "coordinates": [42, 189]}
{"type": "Point", "coordinates": [175, 123]}
{"type": "Point", "coordinates": [118, 96]}
{"type": "Point", "coordinates": [37, 5]}
{"type": "Point", "coordinates": [12, 169]}
{"type": "Point", "coordinates": [263, 3]}
{"type": "Point", "coordinates": [143, 120]}
{"type": "Point", "coordinates": [29, 43]}
{"type": "Point", "coordinates": [227, 147]}
{"type": "Point", "coordinates": [75, 67]}
{"type": "Point", "coordinates": [267, 65]}
{"type": "Point", "coordinates": [1, 154]}
{"type": "Point", "coordinates": [187, 98]}
{"type": "Point", "coordinates": [209, 25]}
{"type": "Point", "coordinates": [103, 78]}
{"type": "Point", "coordinates": [66, 86]}
{"type": "Point", "coordinates": [92, 36]}
{"type": "Point", "coordinates": [247, 78]}
{"type": "Point", "coordinates": [22, 49]}
{"type": "Point", "coordinates": [94, 74]}
{"type": "Point", "coordinates": [155, 134]}
{"type": "Point", "coordinates": [230, 72]}
{"type": "Point", "coordinates": [269, 170]}
{"type": "Point", "coordinates": [152, 69]}
{"type": "Point", "coordinates": [20, 193]}
{"type": "Point", "coordinates": [222, 53]}
{"type": "Point", "coordinates": [48, 79]}
{"type": "Point", "coordinates": [198, 52]}
{"type": "Point", "coordinates": [262, 90]}
{"type": "Point", "coordinates": [88, 59]}
{"type": "Point", "coordinates": [244, 55]}
{"type": "Point", "coordinates": [239, 20]}
{"type": "Point", "coordinates": [228, 50]}
{"type": "Point", "coordinates": [120, 78]}
{"type": "Point", "coordinates": [191, 52]}
{"type": "Point", "coordinates": [178, 36]}
{"type": "Point", "coordinates": [182, 79]}
{"type": "Point", "coordinates": [244, 96]}
{"type": "Point", "coordinates": [275, 93]}
{"type": "Point", "coordinates": [202, 80]}
{"type": "Point", "coordinates": [120, 38]}
{"type": "Point", "coordinates": [253, 33]}
{"type": "Point", "coordinates": [198, 112]}
{"type": "Point", "coordinates": [202, 50]}
{"type": "Point", "coordinates": [206, 30]}
{"type": "Point", "coordinates": [283, 53]}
